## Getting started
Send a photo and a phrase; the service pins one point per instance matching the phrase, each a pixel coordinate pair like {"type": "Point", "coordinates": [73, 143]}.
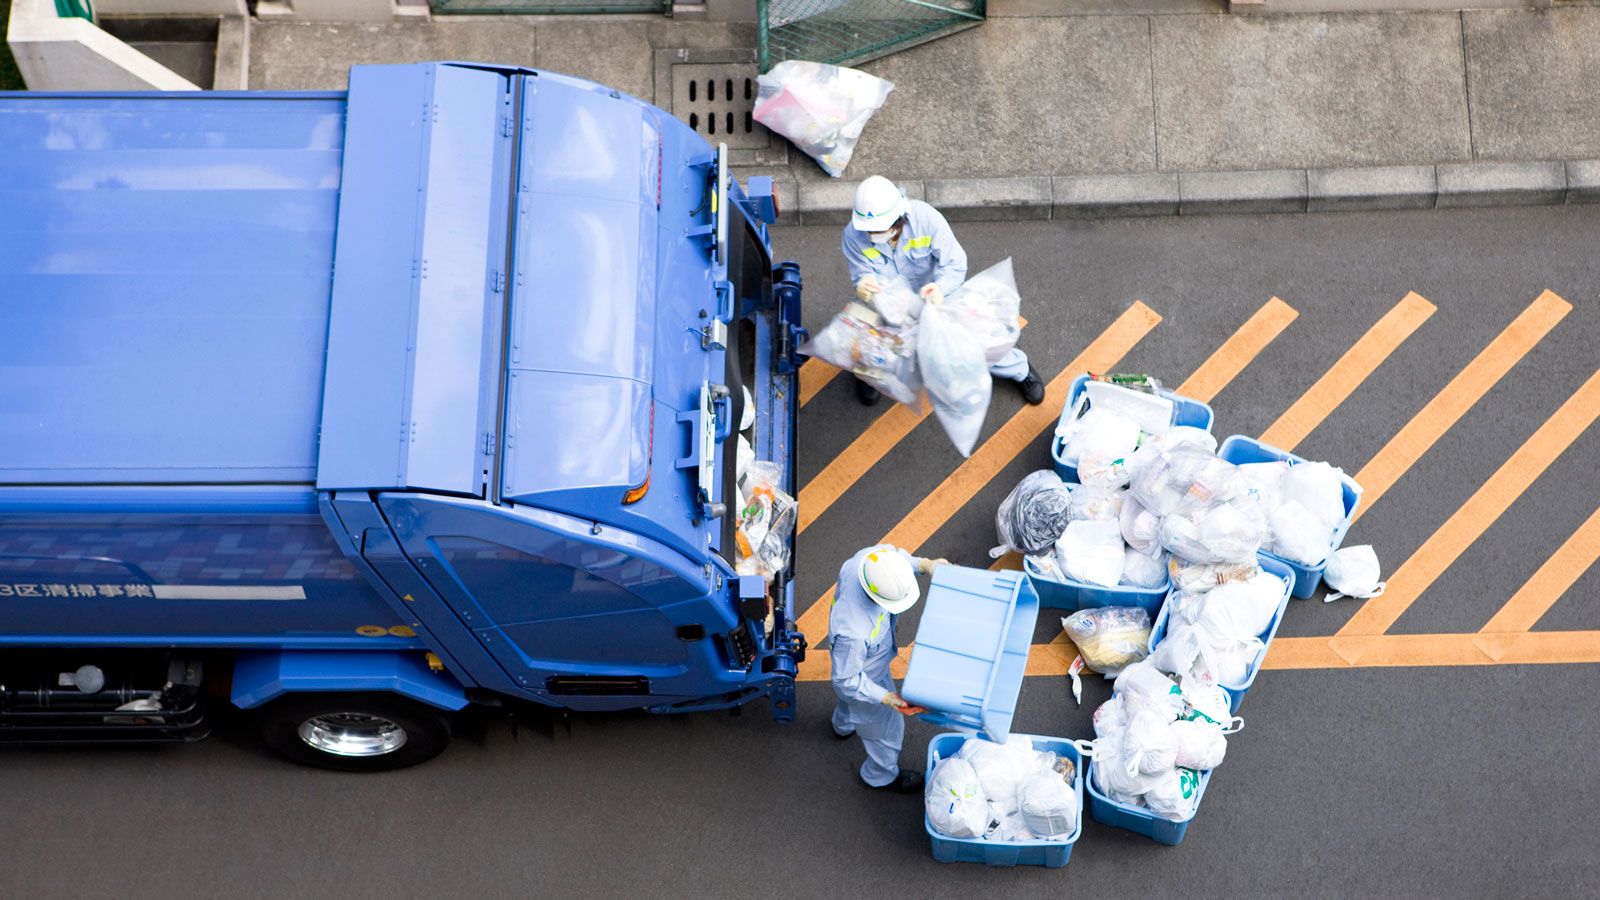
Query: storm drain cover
{"type": "Point", "coordinates": [715, 100]}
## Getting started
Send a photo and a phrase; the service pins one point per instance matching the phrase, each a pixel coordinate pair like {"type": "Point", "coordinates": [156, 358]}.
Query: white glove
{"type": "Point", "coordinates": [867, 286]}
{"type": "Point", "coordinates": [927, 566]}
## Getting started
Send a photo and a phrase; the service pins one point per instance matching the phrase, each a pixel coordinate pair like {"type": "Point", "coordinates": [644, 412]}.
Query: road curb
{"type": "Point", "coordinates": [1441, 186]}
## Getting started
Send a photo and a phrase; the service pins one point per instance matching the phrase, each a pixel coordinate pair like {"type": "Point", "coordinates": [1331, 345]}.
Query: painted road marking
{"type": "Point", "coordinates": [1340, 381]}
{"type": "Point", "coordinates": [843, 471]}
{"type": "Point", "coordinates": [1002, 447]}
{"type": "Point", "coordinates": [1480, 511]}
{"type": "Point", "coordinates": [1554, 578]}
{"type": "Point", "coordinates": [1239, 350]}
{"type": "Point", "coordinates": [1458, 397]}
{"type": "Point", "coordinates": [814, 376]}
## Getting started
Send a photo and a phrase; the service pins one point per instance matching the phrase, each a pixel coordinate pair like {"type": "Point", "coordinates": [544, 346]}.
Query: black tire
{"type": "Point", "coordinates": [426, 731]}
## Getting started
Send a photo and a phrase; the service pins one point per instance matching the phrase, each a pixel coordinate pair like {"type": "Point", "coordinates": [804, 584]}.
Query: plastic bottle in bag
{"type": "Point", "coordinates": [988, 305]}
{"type": "Point", "coordinates": [956, 375]}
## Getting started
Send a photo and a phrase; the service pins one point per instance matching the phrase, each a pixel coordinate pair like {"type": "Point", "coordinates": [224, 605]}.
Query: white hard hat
{"type": "Point", "coordinates": [879, 204]}
{"type": "Point", "coordinates": [889, 580]}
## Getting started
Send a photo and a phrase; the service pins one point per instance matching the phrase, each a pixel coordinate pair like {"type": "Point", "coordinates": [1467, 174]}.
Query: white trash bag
{"type": "Point", "coordinates": [1092, 552]}
{"type": "Point", "coordinates": [1101, 441]}
{"type": "Point", "coordinates": [1141, 528]}
{"type": "Point", "coordinates": [821, 109]}
{"type": "Point", "coordinates": [1227, 532]}
{"type": "Point", "coordinates": [1299, 535]}
{"type": "Point", "coordinates": [1000, 768]}
{"type": "Point", "coordinates": [955, 801]}
{"type": "Point", "coordinates": [1142, 570]}
{"type": "Point", "coordinates": [955, 373]}
{"type": "Point", "coordinates": [1177, 436]}
{"type": "Point", "coordinates": [1048, 804]}
{"type": "Point", "coordinates": [1143, 686]}
{"type": "Point", "coordinates": [1353, 572]}
{"type": "Point", "coordinates": [1147, 743]}
{"type": "Point", "coordinates": [1318, 487]}
{"type": "Point", "coordinates": [1197, 744]}
{"type": "Point", "coordinates": [859, 341]}
{"type": "Point", "coordinates": [1175, 795]}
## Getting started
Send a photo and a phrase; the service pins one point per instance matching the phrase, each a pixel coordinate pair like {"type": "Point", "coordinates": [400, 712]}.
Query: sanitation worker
{"type": "Point", "coordinates": [875, 587]}
{"type": "Point", "coordinates": [890, 235]}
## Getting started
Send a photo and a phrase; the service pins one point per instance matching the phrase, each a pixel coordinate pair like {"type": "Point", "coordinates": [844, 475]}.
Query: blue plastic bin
{"type": "Point", "coordinates": [971, 649]}
{"type": "Point", "coordinates": [1185, 411]}
{"type": "Point", "coordinates": [1138, 819]}
{"type": "Point", "coordinates": [1076, 595]}
{"type": "Point", "coordinates": [1238, 450]}
{"type": "Point", "coordinates": [1053, 854]}
{"type": "Point", "coordinates": [1236, 692]}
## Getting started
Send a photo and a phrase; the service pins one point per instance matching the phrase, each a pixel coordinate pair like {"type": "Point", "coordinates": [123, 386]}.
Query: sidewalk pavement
{"type": "Point", "coordinates": [1164, 105]}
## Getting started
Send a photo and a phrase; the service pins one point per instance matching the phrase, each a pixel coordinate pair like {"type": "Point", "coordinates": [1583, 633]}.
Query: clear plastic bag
{"type": "Point", "coordinates": [988, 305]}
{"type": "Point", "coordinates": [1140, 527]}
{"type": "Point", "coordinates": [1109, 638]}
{"type": "Point", "coordinates": [1095, 504]}
{"type": "Point", "coordinates": [897, 302]}
{"type": "Point", "coordinates": [859, 341]}
{"type": "Point", "coordinates": [821, 109]}
{"type": "Point", "coordinates": [955, 373]}
{"type": "Point", "coordinates": [766, 522]}
{"type": "Point", "coordinates": [1196, 578]}
{"type": "Point", "coordinates": [1033, 515]}
{"type": "Point", "coordinates": [1228, 532]}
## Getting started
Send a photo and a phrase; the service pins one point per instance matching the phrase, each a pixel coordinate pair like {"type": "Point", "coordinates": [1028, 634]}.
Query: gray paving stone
{"type": "Point", "coordinates": [1534, 76]}
{"type": "Point", "coordinates": [1266, 92]}
{"type": "Point", "coordinates": [1502, 184]}
{"type": "Point", "coordinates": [615, 54]}
{"type": "Point", "coordinates": [1583, 181]}
{"type": "Point", "coordinates": [1277, 190]}
{"type": "Point", "coordinates": [990, 199]}
{"type": "Point", "coordinates": [1092, 196]}
{"type": "Point", "coordinates": [317, 56]}
{"type": "Point", "coordinates": [1016, 97]}
{"type": "Point", "coordinates": [1371, 187]}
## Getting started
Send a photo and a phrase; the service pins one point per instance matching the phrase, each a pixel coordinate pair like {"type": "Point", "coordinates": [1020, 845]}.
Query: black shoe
{"type": "Point", "coordinates": [841, 737]}
{"type": "Point", "coordinates": [1032, 387]}
{"type": "Point", "coordinates": [904, 783]}
{"type": "Point", "coordinates": [867, 394]}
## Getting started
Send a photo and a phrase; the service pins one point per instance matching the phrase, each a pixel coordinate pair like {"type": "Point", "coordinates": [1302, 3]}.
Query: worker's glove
{"type": "Point", "coordinates": [867, 287]}
{"type": "Point", "coordinates": [933, 294]}
{"type": "Point", "coordinates": [927, 566]}
{"type": "Point", "coordinates": [899, 704]}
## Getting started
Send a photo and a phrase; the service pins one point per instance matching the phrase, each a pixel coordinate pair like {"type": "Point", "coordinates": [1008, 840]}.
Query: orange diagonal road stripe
{"type": "Point", "coordinates": [883, 435]}
{"type": "Point", "coordinates": [1340, 381]}
{"type": "Point", "coordinates": [1480, 511]}
{"type": "Point", "coordinates": [1000, 449]}
{"type": "Point", "coordinates": [814, 376]}
{"type": "Point", "coordinates": [1460, 395]}
{"type": "Point", "coordinates": [1553, 579]}
{"type": "Point", "coordinates": [1238, 350]}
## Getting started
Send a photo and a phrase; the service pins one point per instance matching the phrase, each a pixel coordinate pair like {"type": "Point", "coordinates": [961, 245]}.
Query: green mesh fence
{"type": "Point", "coordinates": [536, 7]}
{"type": "Point", "coordinates": [847, 32]}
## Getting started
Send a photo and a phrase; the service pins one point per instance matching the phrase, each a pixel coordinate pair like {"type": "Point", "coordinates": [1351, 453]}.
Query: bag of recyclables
{"type": "Point", "coordinates": [821, 109]}
{"type": "Point", "coordinates": [1033, 515]}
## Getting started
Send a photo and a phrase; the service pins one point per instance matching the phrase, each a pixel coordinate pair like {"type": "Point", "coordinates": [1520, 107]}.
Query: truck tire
{"type": "Point", "coordinates": [354, 732]}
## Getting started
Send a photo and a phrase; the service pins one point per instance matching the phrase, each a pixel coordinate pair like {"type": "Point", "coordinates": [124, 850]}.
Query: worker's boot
{"type": "Point", "coordinates": [867, 394]}
{"type": "Point", "coordinates": [904, 783]}
{"type": "Point", "coordinates": [1032, 387]}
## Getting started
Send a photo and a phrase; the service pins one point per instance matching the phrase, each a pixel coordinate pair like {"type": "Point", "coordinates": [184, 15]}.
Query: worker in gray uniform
{"type": "Point", "coordinates": [889, 235]}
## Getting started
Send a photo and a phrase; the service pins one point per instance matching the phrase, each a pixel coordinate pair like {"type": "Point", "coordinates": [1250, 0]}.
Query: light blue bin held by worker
{"type": "Point", "coordinates": [971, 649]}
{"type": "Point", "coordinates": [1140, 819]}
{"type": "Point", "coordinates": [1052, 853]}
{"type": "Point", "coordinates": [1239, 450]}
{"type": "Point", "coordinates": [1236, 691]}
{"type": "Point", "coordinates": [1185, 411]}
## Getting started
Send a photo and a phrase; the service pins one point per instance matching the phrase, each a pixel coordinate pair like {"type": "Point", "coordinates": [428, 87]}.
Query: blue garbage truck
{"type": "Point", "coordinates": [355, 409]}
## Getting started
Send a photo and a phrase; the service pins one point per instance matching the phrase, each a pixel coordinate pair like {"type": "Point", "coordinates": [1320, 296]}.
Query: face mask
{"type": "Point", "coordinates": [881, 237]}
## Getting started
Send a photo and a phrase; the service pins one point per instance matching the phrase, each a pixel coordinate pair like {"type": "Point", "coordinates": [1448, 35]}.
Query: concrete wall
{"type": "Point", "coordinates": [57, 54]}
{"type": "Point", "coordinates": [170, 8]}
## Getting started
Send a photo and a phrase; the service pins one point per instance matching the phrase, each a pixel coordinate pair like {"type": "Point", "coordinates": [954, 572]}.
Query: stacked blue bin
{"type": "Point", "coordinates": [1236, 692]}
{"type": "Point", "coordinates": [1239, 450]}
{"type": "Point", "coordinates": [1141, 819]}
{"type": "Point", "coordinates": [1053, 853]}
{"type": "Point", "coordinates": [971, 649]}
{"type": "Point", "coordinates": [1074, 595]}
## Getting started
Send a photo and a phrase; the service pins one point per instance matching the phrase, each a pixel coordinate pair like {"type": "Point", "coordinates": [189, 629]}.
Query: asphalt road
{"type": "Point", "coordinates": [1395, 781]}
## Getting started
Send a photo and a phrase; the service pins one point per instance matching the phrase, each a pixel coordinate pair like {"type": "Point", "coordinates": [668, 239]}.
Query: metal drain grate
{"type": "Point", "coordinates": [715, 100]}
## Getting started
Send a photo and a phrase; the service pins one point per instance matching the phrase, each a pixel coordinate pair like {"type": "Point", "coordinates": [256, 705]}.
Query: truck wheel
{"type": "Point", "coordinates": [354, 732]}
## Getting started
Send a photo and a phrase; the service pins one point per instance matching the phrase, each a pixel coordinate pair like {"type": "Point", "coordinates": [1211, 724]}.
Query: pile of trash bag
{"type": "Point", "coordinates": [1003, 792]}
{"type": "Point", "coordinates": [821, 109]}
{"type": "Point", "coordinates": [766, 521]}
{"type": "Point", "coordinates": [903, 345]}
{"type": "Point", "coordinates": [1156, 737]}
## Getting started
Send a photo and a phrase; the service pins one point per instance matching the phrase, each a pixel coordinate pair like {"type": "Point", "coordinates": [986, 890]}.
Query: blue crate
{"type": "Point", "coordinates": [1053, 853]}
{"type": "Point", "coordinates": [1076, 595]}
{"type": "Point", "coordinates": [971, 649]}
{"type": "Point", "coordinates": [1238, 450]}
{"type": "Point", "coordinates": [1236, 691]}
{"type": "Point", "coordinates": [1185, 411]}
{"type": "Point", "coordinates": [1138, 819]}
